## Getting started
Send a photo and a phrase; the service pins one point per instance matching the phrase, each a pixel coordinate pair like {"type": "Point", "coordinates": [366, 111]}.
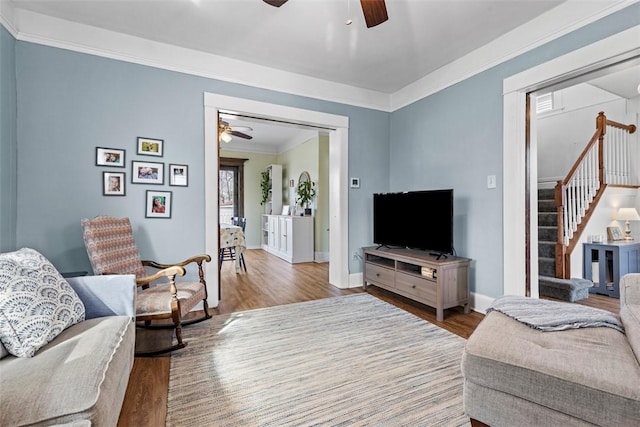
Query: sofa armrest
{"type": "Point", "coordinates": [630, 310]}
{"type": "Point", "coordinates": [109, 295]}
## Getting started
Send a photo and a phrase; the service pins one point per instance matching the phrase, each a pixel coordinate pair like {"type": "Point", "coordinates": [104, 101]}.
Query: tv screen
{"type": "Point", "coordinates": [415, 219]}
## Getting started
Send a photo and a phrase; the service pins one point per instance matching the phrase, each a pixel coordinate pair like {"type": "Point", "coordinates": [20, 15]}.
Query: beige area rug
{"type": "Point", "coordinates": [351, 360]}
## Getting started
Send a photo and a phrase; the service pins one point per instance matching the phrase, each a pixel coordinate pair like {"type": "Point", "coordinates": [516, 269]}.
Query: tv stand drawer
{"type": "Point", "coordinates": [375, 273]}
{"type": "Point", "coordinates": [425, 290]}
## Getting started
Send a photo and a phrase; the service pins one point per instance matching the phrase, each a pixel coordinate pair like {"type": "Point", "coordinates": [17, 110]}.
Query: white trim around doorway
{"type": "Point", "coordinates": [338, 178]}
{"type": "Point", "coordinates": [618, 47]}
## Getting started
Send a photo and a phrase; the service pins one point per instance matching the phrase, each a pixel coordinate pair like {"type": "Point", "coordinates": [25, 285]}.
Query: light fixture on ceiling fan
{"type": "Point", "coordinates": [375, 11]}
{"type": "Point", "coordinates": [227, 132]}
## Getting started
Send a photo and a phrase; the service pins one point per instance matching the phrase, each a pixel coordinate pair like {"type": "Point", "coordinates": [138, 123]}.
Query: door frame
{"type": "Point", "coordinates": [598, 55]}
{"type": "Point", "coordinates": [338, 129]}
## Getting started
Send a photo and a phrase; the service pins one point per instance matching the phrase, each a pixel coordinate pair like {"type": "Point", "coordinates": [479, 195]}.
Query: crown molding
{"type": "Point", "coordinates": [557, 22]}
{"type": "Point", "coordinates": [7, 18]}
{"type": "Point", "coordinates": [59, 33]}
{"type": "Point", "coordinates": [45, 30]}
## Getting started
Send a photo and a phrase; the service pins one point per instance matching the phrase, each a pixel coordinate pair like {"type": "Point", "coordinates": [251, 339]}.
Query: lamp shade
{"type": "Point", "coordinates": [225, 137]}
{"type": "Point", "coordinates": [627, 214]}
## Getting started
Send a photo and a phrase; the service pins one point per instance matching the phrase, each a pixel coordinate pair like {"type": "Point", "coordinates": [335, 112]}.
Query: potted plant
{"type": "Point", "coordinates": [306, 193]}
{"type": "Point", "coordinates": [265, 186]}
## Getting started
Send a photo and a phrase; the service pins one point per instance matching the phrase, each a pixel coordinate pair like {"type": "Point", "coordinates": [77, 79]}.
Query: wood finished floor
{"type": "Point", "coordinates": [271, 281]}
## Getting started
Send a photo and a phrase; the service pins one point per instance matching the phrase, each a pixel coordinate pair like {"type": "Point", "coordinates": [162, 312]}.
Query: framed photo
{"type": "Point", "coordinates": [109, 157]}
{"type": "Point", "coordinates": [147, 172]}
{"type": "Point", "coordinates": [614, 233]}
{"type": "Point", "coordinates": [113, 184]}
{"type": "Point", "coordinates": [158, 204]}
{"type": "Point", "coordinates": [179, 175]}
{"type": "Point", "coordinates": [150, 146]}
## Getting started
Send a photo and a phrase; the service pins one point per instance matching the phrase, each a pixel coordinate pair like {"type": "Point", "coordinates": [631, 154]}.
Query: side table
{"type": "Point", "coordinates": [606, 263]}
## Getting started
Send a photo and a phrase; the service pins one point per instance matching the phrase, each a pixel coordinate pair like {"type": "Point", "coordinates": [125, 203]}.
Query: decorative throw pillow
{"type": "Point", "coordinates": [36, 303]}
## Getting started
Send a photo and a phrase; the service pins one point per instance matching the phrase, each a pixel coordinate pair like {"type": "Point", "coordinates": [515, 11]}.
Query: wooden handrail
{"type": "Point", "coordinates": [563, 251]}
{"type": "Point", "coordinates": [595, 138]}
{"type": "Point", "coordinates": [629, 128]}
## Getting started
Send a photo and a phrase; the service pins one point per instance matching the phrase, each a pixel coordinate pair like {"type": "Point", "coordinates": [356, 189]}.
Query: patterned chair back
{"type": "Point", "coordinates": [111, 247]}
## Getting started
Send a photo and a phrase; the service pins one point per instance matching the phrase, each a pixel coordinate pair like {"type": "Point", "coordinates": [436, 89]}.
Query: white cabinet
{"type": "Point", "coordinates": [288, 237]}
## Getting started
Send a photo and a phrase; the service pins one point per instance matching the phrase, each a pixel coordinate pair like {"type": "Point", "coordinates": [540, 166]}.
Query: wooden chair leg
{"type": "Point", "coordinates": [242, 263]}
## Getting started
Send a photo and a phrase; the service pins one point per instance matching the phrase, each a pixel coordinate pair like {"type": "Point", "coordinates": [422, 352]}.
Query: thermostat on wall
{"type": "Point", "coordinates": [355, 182]}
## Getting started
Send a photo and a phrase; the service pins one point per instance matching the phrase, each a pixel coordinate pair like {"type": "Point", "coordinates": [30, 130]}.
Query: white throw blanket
{"type": "Point", "coordinates": [546, 315]}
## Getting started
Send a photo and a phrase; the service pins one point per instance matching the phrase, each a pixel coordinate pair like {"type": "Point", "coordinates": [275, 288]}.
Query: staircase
{"type": "Point", "coordinates": [600, 165]}
{"type": "Point", "coordinates": [547, 232]}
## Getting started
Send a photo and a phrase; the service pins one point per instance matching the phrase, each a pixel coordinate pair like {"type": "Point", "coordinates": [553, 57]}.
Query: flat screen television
{"type": "Point", "coordinates": [415, 219]}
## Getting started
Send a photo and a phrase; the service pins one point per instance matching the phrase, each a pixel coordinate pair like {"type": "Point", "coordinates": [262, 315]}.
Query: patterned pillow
{"type": "Point", "coordinates": [36, 303]}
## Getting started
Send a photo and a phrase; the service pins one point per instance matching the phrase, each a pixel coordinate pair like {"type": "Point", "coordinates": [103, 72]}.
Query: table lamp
{"type": "Point", "coordinates": [626, 215]}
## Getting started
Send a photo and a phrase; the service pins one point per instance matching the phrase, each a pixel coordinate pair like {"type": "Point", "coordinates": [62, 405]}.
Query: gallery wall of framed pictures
{"type": "Point", "coordinates": [157, 204]}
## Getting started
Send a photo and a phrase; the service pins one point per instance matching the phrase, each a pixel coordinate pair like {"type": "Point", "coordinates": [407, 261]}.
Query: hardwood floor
{"type": "Point", "coordinates": [271, 281]}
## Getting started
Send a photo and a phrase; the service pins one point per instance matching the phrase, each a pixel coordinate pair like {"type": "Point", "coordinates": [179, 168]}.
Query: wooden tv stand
{"type": "Point", "coordinates": [440, 283]}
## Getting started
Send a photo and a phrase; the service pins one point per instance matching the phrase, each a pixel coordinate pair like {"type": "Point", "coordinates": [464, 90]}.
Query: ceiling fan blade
{"type": "Point", "coordinates": [276, 3]}
{"type": "Point", "coordinates": [240, 134]}
{"type": "Point", "coordinates": [375, 12]}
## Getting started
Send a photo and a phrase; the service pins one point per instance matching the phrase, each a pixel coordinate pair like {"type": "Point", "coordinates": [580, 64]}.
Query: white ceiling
{"type": "Point", "coordinates": [310, 38]}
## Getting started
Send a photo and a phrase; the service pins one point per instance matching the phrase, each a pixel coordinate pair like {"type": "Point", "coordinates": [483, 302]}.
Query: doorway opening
{"type": "Point", "coordinates": [516, 159]}
{"type": "Point", "coordinates": [231, 189]}
{"type": "Point", "coordinates": [337, 128]}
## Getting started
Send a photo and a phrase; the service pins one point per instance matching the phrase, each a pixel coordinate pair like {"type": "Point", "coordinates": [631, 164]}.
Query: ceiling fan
{"type": "Point", "coordinates": [375, 11]}
{"type": "Point", "coordinates": [226, 131]}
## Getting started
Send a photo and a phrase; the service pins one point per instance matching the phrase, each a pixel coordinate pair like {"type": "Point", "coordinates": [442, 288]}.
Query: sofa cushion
{"type": "Point", "coordinates": [630, 310]}
{"type": "Point", "coordinates": [81, 375]}
{"type": "Point", "coordinates": [591, 373]}
{"type": "Point", "coordinates": [36, 303]}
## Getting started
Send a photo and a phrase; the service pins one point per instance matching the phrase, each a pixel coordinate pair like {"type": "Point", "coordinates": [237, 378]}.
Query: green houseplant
{"type": "Point", "coordinates": [306, 193]}
{"type": "Point", "coordinates": [265, 187]}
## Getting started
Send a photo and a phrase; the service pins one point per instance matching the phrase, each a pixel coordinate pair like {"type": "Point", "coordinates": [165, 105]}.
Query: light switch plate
{"type": "Point", "coordinates": [354, 182]}
{"type": "Point", "coordinates": [491, 181]}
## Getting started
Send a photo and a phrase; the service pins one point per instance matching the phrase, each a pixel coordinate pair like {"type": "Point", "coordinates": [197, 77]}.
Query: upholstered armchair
{"type": "Point", "coordinates": [112, 250]}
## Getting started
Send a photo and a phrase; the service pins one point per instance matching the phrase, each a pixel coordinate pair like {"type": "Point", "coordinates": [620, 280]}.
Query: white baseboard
{"type": "Point", "coordinates": [480, 302]}
{"type": "Point", "coordinates": [355, 280]}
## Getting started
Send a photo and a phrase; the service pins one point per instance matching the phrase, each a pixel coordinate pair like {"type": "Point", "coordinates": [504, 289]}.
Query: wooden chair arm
{"type": "Point", "coordinates": [170, 272]}
{"type": "Point", "coordinates": [197, 259]}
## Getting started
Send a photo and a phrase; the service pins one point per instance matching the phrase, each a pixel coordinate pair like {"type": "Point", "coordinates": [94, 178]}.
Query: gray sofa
{"type": "Point", "coordinates": [79, 378]}
{"type": "Point", "coordinates": [518, 376]}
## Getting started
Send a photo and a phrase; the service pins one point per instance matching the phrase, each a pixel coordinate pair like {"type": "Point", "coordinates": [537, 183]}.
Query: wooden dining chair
{"type": "Point", "coordinates": [112, 249]}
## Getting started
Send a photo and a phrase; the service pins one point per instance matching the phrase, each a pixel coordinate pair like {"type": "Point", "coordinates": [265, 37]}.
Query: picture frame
{"type": "Point", "coordinates": [178, 175]}
{"type": "Point", "coordinates": [147, 172]}
{"type": "Point", "coordinates": [113, 184]}
{"type": "Point", "coordinates": [614, 233]}
{"type": "Point", "coordinates": [110, 157]}
{"type": "Point", "coordinates": [158, 204]}
{"type": "Point", "coordinates": [150, 146]}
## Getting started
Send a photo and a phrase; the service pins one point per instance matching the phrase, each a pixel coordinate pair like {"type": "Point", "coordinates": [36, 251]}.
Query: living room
{"type": "Point", "coordinates": [62, 97]}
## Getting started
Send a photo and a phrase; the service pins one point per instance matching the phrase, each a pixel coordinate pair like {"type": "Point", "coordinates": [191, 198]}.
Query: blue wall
{"type": "Point", "coordinates": [8, 141]}
{"type": "Point", "coordinates": [453, 139]}
{"type": "Point", "coordinates": [70, 103]}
